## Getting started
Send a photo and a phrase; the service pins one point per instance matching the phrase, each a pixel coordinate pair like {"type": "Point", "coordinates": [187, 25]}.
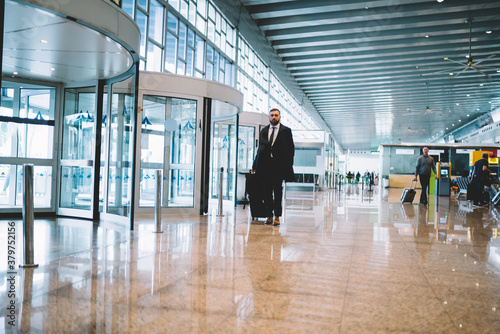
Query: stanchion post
{"type": "Point", "coordinates": [28, 216]}
{"type": "Point", "coordinates": [159, 180]}
{"type": "Point", "coordinates": [221, 210]}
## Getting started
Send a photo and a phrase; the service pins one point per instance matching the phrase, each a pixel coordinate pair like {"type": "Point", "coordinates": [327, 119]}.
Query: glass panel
{"type": "Point", "coordinates": [172, 23]}
{"type": "Point", "coordinates": [182, 41]}
{"type": "Point", "coordinates": [184, 8]}
{"type": "Point", "coordinates": [104, 135]}
{"type": "Point", "coordinates": [128, 7]}
{"type": "Point", "coordinates": [78, 127]}
{"type": "Point", "coordinates": [154, 58]}
{"type": "Point", "coordinates": [190, 38]}
{"type": "Point", "coordinates": [152, 146]}
{"type": "Point", "coordinates": [200, 53]}
{"type": "Point", "coordinates": [35, 141]}
{"type": "Point", "coordinates": [142, 22]}
{"type": "Point", "coordinates": [170, 55]}
{"type": "Point", "coordinates": [121, 148]}
{"type": "Point", "coordinates": [37, 104]}
{"type": "Point", "coordinates": [209, 71]}
{"type": "Point", "coordinates": [189, 62]}
{"type": "Point", "coordinates": [183, 153]}
{"type": "Point", "coordinates": [76, 187]}
{"type": "Point", "coordinates": [156, 21]}
{"type": "Point", "coordinates": [175, 4]}
{"type": "Point", "coordinates": [246, 147]}
{"type": "Point", "coordinates": [202, 8]}
{"type": "Point", "coordinates": [210, 53]}
{"type": "Point", "coordinates": [8, 139]}
{"type": "Point", "coordinates": [143, 4]}
{"type": "Point", "coordinates": [181, 67]}
{"type": "Point", "coordinates": [7, 100]}
{"type": "Point", "coordinates": [192, 12]}
{"type": "Point", "coordinates": [201, 24]}
{"type": "Point", "coordinates": [8, 182]}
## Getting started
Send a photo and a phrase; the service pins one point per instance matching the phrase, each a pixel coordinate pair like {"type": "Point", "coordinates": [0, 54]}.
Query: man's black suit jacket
{"type": "Point", "coordinates": [283, 151]}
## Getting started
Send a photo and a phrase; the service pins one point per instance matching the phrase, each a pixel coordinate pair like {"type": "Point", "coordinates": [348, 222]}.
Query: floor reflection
{"type": "Point", "coordinates": [349, 261]}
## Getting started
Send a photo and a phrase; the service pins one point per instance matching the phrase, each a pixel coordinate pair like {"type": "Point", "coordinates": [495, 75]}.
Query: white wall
{"type": "Point", "coordinates": [361, 162]}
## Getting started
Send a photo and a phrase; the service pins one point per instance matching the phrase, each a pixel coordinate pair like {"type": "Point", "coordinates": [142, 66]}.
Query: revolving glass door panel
{"type": "Point", "coordinates": [182, 153]}
{"type": "Point", "coordinates": [223, 155]}
{"type": "Point", "coordinates": [78, 144]}
{"type": "Point", "coordinates": [120, 153]}
{"type": "Point", "coordinates": [168, 142]}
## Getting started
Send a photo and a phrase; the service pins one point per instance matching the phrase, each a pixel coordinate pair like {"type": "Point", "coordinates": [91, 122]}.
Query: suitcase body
{"type": "Point", "coordinates": [255, 190]}
{"type": "Point", "coordinates": [409, 193]}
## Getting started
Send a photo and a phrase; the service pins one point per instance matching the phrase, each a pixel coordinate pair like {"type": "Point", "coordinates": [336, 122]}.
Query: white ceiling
{"type": "Point", "coordinates": [72, 52]}
{"type": "Point", "coordinates": [369, 67]}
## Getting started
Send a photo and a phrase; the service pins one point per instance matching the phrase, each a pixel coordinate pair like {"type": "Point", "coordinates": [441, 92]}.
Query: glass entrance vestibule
{"type": "Point", "coordinates": [63, 130]}
{"type": "Point", "coordinates": [188, 131]}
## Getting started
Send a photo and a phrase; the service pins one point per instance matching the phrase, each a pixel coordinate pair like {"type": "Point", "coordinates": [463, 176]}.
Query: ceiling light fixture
{"type": "Point", "coordinates": [52, 69]}
{"type": "Point", "coordinates": [43, 41]}
{"type": "Point", "coordinates": [489, 31]}
{"type": "Point", "coordinates": [15, 73]}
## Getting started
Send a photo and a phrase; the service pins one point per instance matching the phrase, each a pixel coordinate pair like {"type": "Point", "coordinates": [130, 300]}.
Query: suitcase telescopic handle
{"type": "Point", "coordinates": [413, 186]}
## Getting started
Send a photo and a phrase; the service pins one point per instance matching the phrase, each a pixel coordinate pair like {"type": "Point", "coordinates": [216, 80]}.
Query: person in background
{"type": "Point", "coordinates": [274, 163]}
{"type": "Point", "coordinates": [481, 176]}
{"type": "Point", "coordinates": [425, 164]}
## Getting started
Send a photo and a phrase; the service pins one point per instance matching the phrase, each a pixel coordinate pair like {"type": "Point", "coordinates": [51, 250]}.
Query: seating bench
{"type": "Point", "coordinates": [462, 183]}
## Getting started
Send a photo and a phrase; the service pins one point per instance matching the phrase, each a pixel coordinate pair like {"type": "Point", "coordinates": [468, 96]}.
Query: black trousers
{"type": "Point", "coordinates": [424, 182]}
{"type": "Point", "coordinates": [273, 193]}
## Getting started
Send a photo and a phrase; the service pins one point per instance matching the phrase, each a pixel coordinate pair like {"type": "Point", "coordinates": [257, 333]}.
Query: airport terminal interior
{"type": "Point", "coordinates": [128, 133]}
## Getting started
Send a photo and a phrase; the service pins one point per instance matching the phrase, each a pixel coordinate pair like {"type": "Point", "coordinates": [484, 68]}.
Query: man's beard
{"type": "Point", "coordinates": [274, 121]}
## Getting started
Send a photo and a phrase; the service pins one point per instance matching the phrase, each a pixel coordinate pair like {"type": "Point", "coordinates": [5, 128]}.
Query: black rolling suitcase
{"type": "Point", "coordinates": [255, 190]}
{"type": "Point", "coordinates": [409, 193]}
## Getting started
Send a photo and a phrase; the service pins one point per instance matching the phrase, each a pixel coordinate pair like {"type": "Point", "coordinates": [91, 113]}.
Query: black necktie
{"type": "Point", "coordinates": [272, 136]}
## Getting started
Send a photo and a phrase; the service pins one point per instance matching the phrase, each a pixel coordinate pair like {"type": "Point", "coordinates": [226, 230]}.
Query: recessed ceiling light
{"type": "Point", "coordinates": [458, 104]}
{"type": "Point", "coordinates": [43, 41]}
{"type": "Point", "coordinates": [426, 36]}
{"type": "Point", "coordinates": [15, 73]}
{"type": "Point", "coordinates": [481, 85]}
{"type": "Point", "coordinates": [498, 71]}
{"type": "Point", "coordinates": [468, 95]}
{"type": "Point", "coordinates": [446, 128]}
{"type": "Point", "coordinates": [440, 0]}
{"type": "Point", "coordinates": [459, 120]}
{"type": "Point", "coordinates": [489, 102]}
{"type": "Point", "coordinates": [52, 69]}
{"type": "Point", "coordinates": [489, 31]}
{"type": "Point", "coordinates": [451, 73]}
{"type": "Point", "coordinates": [453, 125]}
{"type": "Point", "coordinates": [467, 115]}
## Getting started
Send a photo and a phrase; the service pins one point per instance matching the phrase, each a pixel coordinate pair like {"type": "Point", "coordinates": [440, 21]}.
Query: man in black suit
{"type": "Point", "coordinates": [274, 163]}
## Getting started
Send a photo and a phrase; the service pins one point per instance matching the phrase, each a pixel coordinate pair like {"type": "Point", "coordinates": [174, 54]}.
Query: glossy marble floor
{"type": "Point", "coordinates": [348, 262]}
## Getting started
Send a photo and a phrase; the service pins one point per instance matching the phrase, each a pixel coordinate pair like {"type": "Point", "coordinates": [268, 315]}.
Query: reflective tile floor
{"type": "Point", "coordinates": [348, 262]}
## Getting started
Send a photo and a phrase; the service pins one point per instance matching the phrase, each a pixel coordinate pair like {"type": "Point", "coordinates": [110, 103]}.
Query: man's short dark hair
{"type": "Point", "coordinates": [275, 109]}
{"type": "Point", "coordinates": [485, 155]}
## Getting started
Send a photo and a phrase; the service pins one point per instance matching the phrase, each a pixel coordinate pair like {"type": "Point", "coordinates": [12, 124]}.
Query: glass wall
{"type": "Point", "coordinates": [195, 39]}
{"type": "Point", "coordinates": [168, 142]}
{"type": "Point", "coordinates": [26, 136]}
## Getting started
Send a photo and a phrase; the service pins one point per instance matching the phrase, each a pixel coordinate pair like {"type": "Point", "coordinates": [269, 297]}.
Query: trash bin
{"type": "Point", "coordinates": [385, 181]}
